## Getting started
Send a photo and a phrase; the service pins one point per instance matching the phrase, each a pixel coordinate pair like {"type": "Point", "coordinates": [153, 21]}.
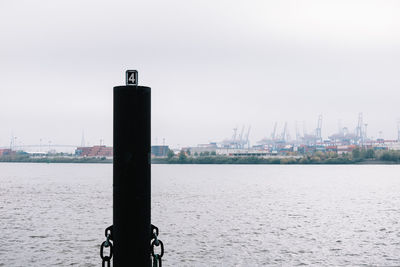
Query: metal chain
{"type": "Point", "coordinates": [106, 244]}
{"type": "Point", "coordinates": [155, 243]}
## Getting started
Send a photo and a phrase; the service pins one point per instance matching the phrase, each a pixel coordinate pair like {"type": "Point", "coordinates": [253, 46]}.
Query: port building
{"type": "Point", "coordinates": [94, 151]}
{"type": "Point", "coordinates": [159, 151]}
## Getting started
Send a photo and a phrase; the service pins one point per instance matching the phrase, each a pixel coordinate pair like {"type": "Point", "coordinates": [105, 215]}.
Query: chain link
{"type": "Point", "coordinates": [155, 243]}
{"type": "Point", "coordinates": [155, 261]}
{"type": "Point", "coordinates": [106, 244]}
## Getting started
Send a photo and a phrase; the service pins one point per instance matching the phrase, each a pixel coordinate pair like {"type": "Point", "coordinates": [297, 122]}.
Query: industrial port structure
{"type": "Point", "coordinates": [345, 140]}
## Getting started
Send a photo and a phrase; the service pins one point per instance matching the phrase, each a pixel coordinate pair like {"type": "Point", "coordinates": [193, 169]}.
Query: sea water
{"type": "Point", "coordinates": [208, 215]}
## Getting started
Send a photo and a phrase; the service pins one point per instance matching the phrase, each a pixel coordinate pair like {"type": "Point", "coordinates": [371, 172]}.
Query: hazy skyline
{"type": "Point", "coordinates": [212, 66]}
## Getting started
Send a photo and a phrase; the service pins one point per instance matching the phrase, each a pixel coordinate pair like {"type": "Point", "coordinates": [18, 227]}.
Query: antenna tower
{"type": "Point", "coordinates": [83, 139]}
{"type": "Point", "coordinates": [398, 130]}
{"type": "Point", "coordinates": [273, 135]}
{"type": "Point", "coordinates": [359, 130]}
{"type": "Point", "coordinates": [318, 131]}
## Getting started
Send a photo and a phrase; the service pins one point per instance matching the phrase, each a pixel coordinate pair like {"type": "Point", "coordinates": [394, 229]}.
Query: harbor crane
{"type": "Point", "coordinates": [318, 131]}
{"type": "Point", "coordinates": [247, 138]}
{"type": "Point", "coordinates": [359, 128]}
{"type": "Point", "coordinates": [240, 144]}
{"type": "Point", "coordinates": [285, 133]}
{"type": "Point", "coordinates": [298, 137]}
{"type": "Point", "coordinates": [273, 135]}
{"type": "Point", "coordinates": [234, 135]}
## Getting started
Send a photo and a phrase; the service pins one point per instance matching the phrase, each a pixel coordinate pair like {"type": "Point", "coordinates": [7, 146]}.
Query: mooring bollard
{"type": "Point", "coordinates": [131, 182]}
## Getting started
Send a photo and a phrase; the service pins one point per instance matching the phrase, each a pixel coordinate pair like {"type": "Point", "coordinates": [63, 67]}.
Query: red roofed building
{"type": "Point", "coordinates": [94, 151]}
{"type": "Point", "coordinates": [6, 152]}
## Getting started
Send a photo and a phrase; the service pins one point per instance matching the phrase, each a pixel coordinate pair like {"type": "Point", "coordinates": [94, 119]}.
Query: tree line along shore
{"type": "Point", "coordinates": [357, 156]}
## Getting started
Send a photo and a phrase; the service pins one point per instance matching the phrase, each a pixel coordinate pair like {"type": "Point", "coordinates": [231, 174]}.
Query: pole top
{"type": "Point", "coordinates": [131, 77]}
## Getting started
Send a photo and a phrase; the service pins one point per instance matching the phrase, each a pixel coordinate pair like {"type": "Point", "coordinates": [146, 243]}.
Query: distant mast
{"type": "Point", "coordinates": [83, 139]}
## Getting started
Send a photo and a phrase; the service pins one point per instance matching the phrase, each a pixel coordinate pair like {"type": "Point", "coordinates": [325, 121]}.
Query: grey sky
{"type": "Point", "coordinates": [212, 66]}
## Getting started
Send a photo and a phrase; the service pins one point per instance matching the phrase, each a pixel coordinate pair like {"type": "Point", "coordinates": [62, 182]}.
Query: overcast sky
{"type": "Point", "coordinates": [212, 65]}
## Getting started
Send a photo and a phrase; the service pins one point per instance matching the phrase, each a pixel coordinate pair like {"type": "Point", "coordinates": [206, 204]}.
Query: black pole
{"type": "Point", "coordinates": [131, 211]}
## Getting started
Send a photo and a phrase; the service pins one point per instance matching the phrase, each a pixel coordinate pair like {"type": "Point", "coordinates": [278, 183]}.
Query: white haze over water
{"type": "Point", "coordinates": [212, 66]}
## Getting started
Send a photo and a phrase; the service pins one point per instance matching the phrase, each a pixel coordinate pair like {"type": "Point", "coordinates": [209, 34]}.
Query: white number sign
{"type": "Point", "coordinates": [131, 77]}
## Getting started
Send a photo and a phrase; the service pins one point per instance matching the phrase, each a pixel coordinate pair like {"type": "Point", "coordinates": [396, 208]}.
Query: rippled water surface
{"type": "Point", "coordinates": [208, 215]}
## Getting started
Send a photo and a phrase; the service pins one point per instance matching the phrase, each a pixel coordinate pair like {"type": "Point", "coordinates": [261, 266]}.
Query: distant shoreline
{"type": "Point", "coordinates": [211, 161]}
{"type": "Point", "coordinates": [272, 161]}
{"type": "Point", "coordinates": [55, 160]}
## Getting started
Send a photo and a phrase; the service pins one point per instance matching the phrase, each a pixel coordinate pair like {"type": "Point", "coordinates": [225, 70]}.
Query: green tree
{"type": "Point", "coordinates": [356, 153]}
{"type": "Point", "coordinates": [370, 154]}
{"type": "Point", "coordinates": [320, 154]}
{"type": "Point", "coordinates": [170, 154]}
{"type": "Point", "coordinates": [315, 159]}
{"type": "Point", "coordinates": [182, 155]}
{"type": "Point", "coordinates": [390, 156]}
{"type": "Point", "coordinates": [213, 153]}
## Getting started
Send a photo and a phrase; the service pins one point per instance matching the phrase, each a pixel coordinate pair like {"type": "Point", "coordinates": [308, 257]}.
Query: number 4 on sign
{"type": "Point", "coordinates": [131, 77]}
